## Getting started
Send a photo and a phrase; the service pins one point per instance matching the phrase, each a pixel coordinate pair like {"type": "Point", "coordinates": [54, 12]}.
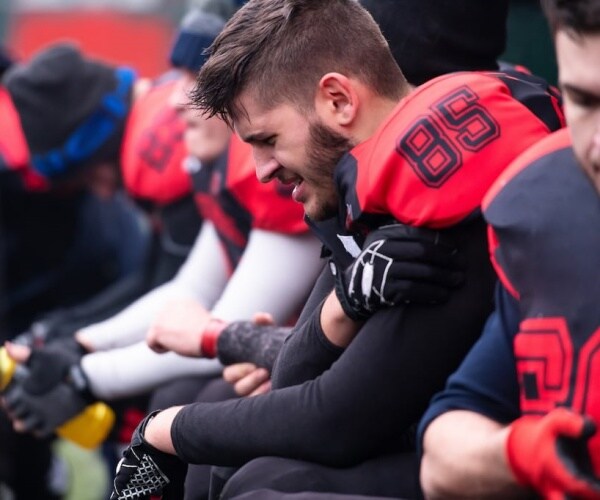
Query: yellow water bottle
{"type": "Point", "coordinates": [88, 429]}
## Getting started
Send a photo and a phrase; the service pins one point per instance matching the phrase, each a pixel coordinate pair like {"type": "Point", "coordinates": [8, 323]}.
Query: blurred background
{"type": "Point", "coordinates": [139, 32]}
{"type": "Point", "coordinates": [133, 32]}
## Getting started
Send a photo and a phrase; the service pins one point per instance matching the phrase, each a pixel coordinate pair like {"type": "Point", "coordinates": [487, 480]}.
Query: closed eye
{"type": "Point", "coordinates": [581, 97]}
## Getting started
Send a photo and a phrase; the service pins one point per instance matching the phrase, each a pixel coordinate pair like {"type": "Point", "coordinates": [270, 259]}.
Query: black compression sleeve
{"type": "Point", "coordinates": [244, 341]}
{"type": "Point", "coordinates": [370, 396]}
{"type": "Point", "coordinates": [307, 353]}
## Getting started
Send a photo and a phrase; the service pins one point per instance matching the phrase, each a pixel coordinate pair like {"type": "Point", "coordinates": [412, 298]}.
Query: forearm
{"type": "Point", "coordinates": [202, 278]}
{"type": "Point", "coordinates": [362, 406]}
{"type": "Point", "coordinates": [337, 327]}
{"type": "Point", "coordinates": [307, 352]}
{"type": "Point", "coordinates": [158, 430]}
{"type": "Point", "coordinates": [279, 270]}
{"type": "Point", "coordinates": [137, 369]}
{"type": "Point", "coordinates": [464, 457]}
{"type": "Point", "coordinates": [244, 341]}
{"type": "Point", "coordinates": [131, 324]}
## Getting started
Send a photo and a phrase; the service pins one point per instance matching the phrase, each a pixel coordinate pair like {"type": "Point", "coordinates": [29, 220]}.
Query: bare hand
{"type": "Point", "coordinates": [179, 328]}
{"type": "Point", "coordinates": [247, 379]}
{"type": "Point", "coordinates": [19, 353]}
{"type": "Point", "coordinates": [263, 319]}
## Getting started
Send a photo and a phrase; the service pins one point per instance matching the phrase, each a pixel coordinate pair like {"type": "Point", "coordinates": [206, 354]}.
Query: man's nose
{"type": "Point", "coordinates": [266, 167]}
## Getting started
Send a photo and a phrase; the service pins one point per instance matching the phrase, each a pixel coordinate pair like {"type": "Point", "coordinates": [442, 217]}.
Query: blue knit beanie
{"type": "Point", "coordinates": [196, 33]}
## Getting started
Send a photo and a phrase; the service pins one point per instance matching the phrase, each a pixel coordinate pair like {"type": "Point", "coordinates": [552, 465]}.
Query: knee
{"type": "Point", "coordinates": [273, 473]}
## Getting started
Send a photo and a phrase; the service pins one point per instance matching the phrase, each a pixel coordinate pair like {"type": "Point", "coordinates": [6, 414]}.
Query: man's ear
{"type": "Point", "coordinates": [337, 100]}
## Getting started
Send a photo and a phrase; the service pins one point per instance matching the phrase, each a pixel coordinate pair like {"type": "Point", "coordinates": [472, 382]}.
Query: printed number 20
{"type": "Point", "coordinates": [551, 372]}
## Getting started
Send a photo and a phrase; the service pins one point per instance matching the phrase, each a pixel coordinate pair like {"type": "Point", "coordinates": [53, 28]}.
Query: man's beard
{"type": "Point", "coordinates": [325, 149]}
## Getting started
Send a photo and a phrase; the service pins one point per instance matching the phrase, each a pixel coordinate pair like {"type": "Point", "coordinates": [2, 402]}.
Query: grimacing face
{"type": "Point", "coordinates": [578, 59]}
{"type": "Point", "coordinates": [290, 147]}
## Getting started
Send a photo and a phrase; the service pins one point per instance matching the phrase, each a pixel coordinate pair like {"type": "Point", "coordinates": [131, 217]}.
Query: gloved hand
{"type": "Point", "coordinates": [49, 389]}
{"type": "Point", "coordinates": [145, 470]}
{"type": "Point", "coordinates": [42, 414]}
{"type": "Point", "coordinates": [550, 454]}
{"type": "Point", "coordinates": [398, 264]}
{"type": "Point", "coordinates": [52, 364]}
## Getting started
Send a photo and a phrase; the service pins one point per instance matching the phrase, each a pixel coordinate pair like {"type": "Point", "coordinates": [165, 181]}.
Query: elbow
{"type": "Point", "coordinates": [431, 479]}
{"type": "Point", "coordinates": [437, 472]}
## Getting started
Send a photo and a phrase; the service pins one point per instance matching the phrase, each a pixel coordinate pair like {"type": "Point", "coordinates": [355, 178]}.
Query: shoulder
{"type": "Point", "coordinates": [437, 154]}
{"type": "Point", "coordinates": [153, 150]}
{"type": "Point", "coordinates": [537, 157]}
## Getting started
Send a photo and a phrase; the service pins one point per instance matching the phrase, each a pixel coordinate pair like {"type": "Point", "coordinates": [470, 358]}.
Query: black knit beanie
{"type": "Point", "coordinates": [196, 33]}
{"type": "Point", "coordinates": [72, 109]}
{"type": "Point", "coordinates": [429, 38]}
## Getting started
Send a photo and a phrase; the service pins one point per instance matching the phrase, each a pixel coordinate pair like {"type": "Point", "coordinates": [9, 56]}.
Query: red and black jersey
{"type": "Point", "coordinates": [434, 158]}
{"type": "Point", "coordinates": [229, 194]}
{"type": "Point", "coordinates": [14, 154]}
{"type": "Point", "coordinates": [544, 216]}
{"type": "Point", "coordinates": [153, 149]}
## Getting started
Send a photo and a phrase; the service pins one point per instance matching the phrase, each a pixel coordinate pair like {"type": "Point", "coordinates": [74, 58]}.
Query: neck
{"type": "Point", "coordinates": [375, 112]}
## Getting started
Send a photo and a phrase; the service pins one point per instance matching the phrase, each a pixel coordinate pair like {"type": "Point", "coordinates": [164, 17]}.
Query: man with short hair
{"type": "Point", "coordinates": [520, 414]}
{"type": "Point", "coordinates": [313, 87]}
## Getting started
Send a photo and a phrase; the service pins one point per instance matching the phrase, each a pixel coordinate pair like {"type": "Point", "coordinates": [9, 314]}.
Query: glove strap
{"type": "Point", "coordinates": [210, 335]}
{"type": "Point", "coordinates": [78, 379]}
{"type": "Point", "coordinates": [341, 292]}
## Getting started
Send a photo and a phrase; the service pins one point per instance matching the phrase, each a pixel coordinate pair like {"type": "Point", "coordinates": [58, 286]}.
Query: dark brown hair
{"type": "Point", "coordinates": [281, 48]}
{"type": "Point", "coordinates": [575, 16]}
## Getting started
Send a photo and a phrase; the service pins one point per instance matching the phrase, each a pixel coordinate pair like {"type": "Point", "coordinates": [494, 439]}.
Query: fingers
{"type": "Point", "coordinates": [80, 337]}
{"type": "Point", "coordinates": [23, 420]}
{"type": "Point", "coordinates": [261, 389]}
{"type": "Point", "coordinates": [247, 379]}
{"type": "Point", "coordinates": [418, 293]}
{"type": "Point", "coordinates": [30, 423]}
{"type": "Point", "coordinates": [417, 271]}
{"type": "Point", "coordinates": [263, 319]}
{"type": "Point", "coordinates": [235, 372]}
{"type": "Point", "coordinates": [439, 255]}
{"type": "Point", "coordinates": [20, 353]}
{"type": "Point", "coordinates": [153, 341]}
{"type": "Point", "coordinates": [566, 422]}
{"type": "Point", "coordinates": [253, 382]}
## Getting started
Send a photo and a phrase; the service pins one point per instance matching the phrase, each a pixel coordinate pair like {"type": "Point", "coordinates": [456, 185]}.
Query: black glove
{"type": "Point", "coordinates": [43, 414]}
{"type": "Point", "coordinates": [145, 470]}
{"type": "Point", "coordinates": [53, 364]}
{"type": "Point", "coordinates": [50, 389]}
{"type": "Point", "coordinates": [398, 264]}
